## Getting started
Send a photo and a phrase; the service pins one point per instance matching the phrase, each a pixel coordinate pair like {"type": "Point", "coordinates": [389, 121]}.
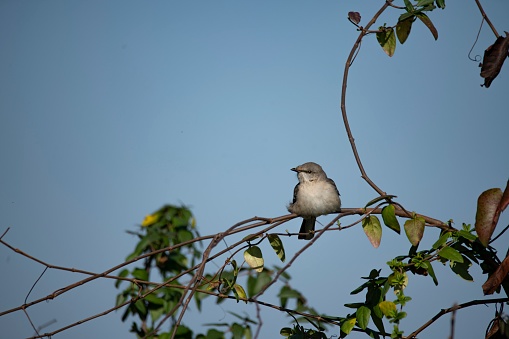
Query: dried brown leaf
{"type": "Point", "coordinates": [494, 57]}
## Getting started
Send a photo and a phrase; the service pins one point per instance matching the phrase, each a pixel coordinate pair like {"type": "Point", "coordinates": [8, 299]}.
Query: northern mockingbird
{"type": "Point", "coordinates": [314, 195]}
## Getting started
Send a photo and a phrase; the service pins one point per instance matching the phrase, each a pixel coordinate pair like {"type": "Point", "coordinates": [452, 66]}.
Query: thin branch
{"type": "Point", "coordinates": [309, 243]}
{"type": "Point", "coordinates": [485, 17]}
{"type": "Point", "coordinates": [348, 64]}
{"type": "Point", "coordinates": [452, 309]}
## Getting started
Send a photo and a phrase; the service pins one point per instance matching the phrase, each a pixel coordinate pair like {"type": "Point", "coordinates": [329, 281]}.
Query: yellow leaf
{"type": "Point", "coordinates": [254, 258]}
{"type": "Point", "coordinates": [388, 308]}
{"type": "Point", "coordinates": [150, 219]}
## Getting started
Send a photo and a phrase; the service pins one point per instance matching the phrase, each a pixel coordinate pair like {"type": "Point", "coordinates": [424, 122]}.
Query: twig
{"type": "Point", "coordinates": [485, 17]}
{"type": "Point", "coordinates": [453, 319]}
{"type": "Point", "coordinates": [454, 308]}
{"type": "Point", "coordinates": [309, 243]}
{"type": "Point", "coordinates": [348, 64]}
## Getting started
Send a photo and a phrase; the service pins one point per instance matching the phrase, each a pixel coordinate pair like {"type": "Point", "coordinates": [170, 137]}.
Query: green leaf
{"type": "Point", "coordinates": [140, 274]}
{"type": "Point", "coordinates": [373, 229]}
{"type": "Point", "coordinates": [154, 299]}
{"type": "Point", "coordinates": [251, 237]}
{"type": "Point", "coordinates": [277, 246]}
{"type": "Point", "coordinates": [403, 29]}
{"type": "Point", "coordinates": [414, 229]}
{"type": "Point", "coordinates": [451, 254]}
{"type": "Point", "coordinates": [408, 5]}
{"type": "Point", "coordinates": [141, 308]}
{"type": "Point", "coordinates": [431, 272]}
{"type": "Point", "coordinates": [254, 258]}
{"type": "Point", "coordinates": [376, 316]}
{"type": "Point", "coordinates": [286, 331]}
{"type": "Point", "coordinates": [427, 21]}
{"type": "Point", "coordinates": [461, 269]}
{"type": "Point", "coordinates": [348, 325]}
{"type": "Point", "coordinates": [380, 198]}
{"type": "Point", "coordinates": [487, 204]}
{"type": "Point", "coordinates": [387, 39]}
{"type": "Point", "coordinates": [211, 334]}
{"type": "Point", "coordinates": [122, 274]}
{"type": "Point", "coordinates": [442, 240]}
{"type": "Point", "coordinates": [237, 331]}
{"type": "Point", "coordinates": [388, 308]}
{"type": "Point", "coordinates": [405, 16]}
{"type": "Point", "coordinates": [247, 332]}
{"type": "Point", "coordinates": [389, 218]}
{"type": "Point", "coordinates": [354, 305]}
{"type": "Point", "coordinates": [256, 283]}
{"type": "Point", "coordinates": [441, 4]}
{"type": "Point", "coordinates": [467, 235]}
{"type": "Point", "coordinates": [424, 3]}
{"type": "Point", "coordinates": [239, 292]}
{"type": "Point", "coordinates": [363, 313]}
{"type": "Point", "coordinates": [121, 298]}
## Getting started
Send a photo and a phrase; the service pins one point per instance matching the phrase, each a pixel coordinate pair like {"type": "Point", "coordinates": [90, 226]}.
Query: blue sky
{"type": "Point", "coordinates": [108, 110]}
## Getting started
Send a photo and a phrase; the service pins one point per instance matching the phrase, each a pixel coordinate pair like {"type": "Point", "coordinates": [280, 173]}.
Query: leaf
{"type": "Point", "coordinates": [461, 269]}
{"type": "Point", "coordinates": [122, 274]}
{"type": "Point", "coordinates": [388, 308]}
{"type": "Point", "coordinates": [251, 237]}
{"type": "Point", "coordinates": [487, 204]}
{"type": "Point", "coordinates": [140, 274]}
{"type": "Point", "coordinates": [442, 240]}
{"type": "Point", "coordinates": [495, 279]}
{"type": "Point", "coordinates": [494, 57]}
{"type": "Point", "coordinates": [441, 4]}
{"type": "Point", "coordinates": [467, 235]}
{"type": "Point", "coordinates": [426, 20]}
{"type": "Point", "coordinates": [140, 307]}
{"type": "Point", "coordinates": [504, 201]}
{"type": "Point", "coordinates": [256, 283]}
{"type": "Point", "coordinates": [237, 331]}
{"type": "Point", "coordinates": [348, 325]}
{"type": "Point", "coordinates": [424, 3]}
{"type": "Point", "coordinates": [450, 254]}
{"type": "Point", "coordinates": [408, 5]}
{"type": "Point", "coordinates": [373, 230]}
{"type": "Point", "coordinates": [239, 292]}
{"type": "Point", "coordinates": [150, 219]}
{"type": "Point", "coordinates": [277, 246]}
{"type": "Point", "coordinates": [389, 218]}
{"type": "Point", "coordinates": [403, 29]}
{"type": "Point", "coordinates": [431, 272]}
{"type": "Point", "coordinates": [363, 313]}
{"type": "Point", "coordinates": [414, 229]}
{"type": "Point", "coordinates": [376, 316]}
{"type": "Point", "coordinates": [354, 17]}
{"type": "Point", "coordinates": [286, 331]}
{"type": "Point", "coordinates": [387, 39]}
{"type": "Point", "coordinates": [254, 258]}
{"type": "Point", "coordinates": [380, 198]}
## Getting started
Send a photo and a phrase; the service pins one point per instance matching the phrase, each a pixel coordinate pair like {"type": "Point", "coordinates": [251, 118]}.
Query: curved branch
{"type": "Point", "coordinates": [453, 309]}
{"type": "Point", "coordinates": [348, 64]}
{"type": "Point", "coordinates": [485, 17]}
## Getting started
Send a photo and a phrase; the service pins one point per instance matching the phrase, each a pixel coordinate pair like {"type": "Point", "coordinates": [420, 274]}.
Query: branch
{"type": "Point", "coordinates": [348, 64]}
{"type": "Point", "coordinates": [485, 17]}
{"type": "Point", "coordinates": [453, 309]}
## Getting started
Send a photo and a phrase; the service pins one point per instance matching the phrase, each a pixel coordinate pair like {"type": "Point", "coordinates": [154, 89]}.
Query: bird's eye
{"type": "Point", "coordinates": [308, 172]}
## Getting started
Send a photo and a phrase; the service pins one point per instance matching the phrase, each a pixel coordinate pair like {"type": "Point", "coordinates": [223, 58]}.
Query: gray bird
{"type": "Point", "coordinates": [314, 195]}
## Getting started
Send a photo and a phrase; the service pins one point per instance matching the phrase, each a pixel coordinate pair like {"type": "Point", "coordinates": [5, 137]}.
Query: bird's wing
{"type": "Point", "coordinates": [329, 180]}
{"type": "Point", "coordinates": [295, 190]}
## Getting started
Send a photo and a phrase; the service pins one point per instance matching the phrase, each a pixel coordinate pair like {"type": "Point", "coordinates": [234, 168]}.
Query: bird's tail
{"type": "Point", "coordinates": [308, 226]}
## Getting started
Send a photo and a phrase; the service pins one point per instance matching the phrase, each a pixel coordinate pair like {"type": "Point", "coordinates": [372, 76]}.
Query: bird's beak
{"type": "Point", "coordinates": [294, 169]}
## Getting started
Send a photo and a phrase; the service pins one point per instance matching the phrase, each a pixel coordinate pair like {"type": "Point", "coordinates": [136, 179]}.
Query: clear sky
{"type": "Point", "coordinates": [110, 109]}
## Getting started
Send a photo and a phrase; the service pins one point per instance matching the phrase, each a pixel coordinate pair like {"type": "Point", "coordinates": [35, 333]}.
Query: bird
{"type": "Point", "coordinates": [314, 195]}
